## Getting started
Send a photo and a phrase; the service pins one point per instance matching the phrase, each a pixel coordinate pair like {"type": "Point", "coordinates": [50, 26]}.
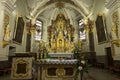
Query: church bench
{"type": "Point", "coordinates": [5, 70]}
{"type": "Point", "coordinates": [5, 67]}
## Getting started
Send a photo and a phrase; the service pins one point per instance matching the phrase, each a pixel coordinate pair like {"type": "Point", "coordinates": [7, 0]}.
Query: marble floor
{"type": "Point", "coordinates": [98, 74]}
{"type": "Point", "coordinates": [103, 74]}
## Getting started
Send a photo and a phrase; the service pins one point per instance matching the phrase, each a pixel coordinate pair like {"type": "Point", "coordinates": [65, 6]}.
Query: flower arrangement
{"type": "Point", "coordinates": [82, 64]}
{"type": "Point", "coordinates": [82, 67]}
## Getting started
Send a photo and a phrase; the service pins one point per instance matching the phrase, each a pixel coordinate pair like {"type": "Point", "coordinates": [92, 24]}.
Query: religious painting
{"type": "Point", "coordinates": [101, 29]}
{"type": "Point", "coordinates": [21, 68]}
{"type": "Point", "coordinates": [19, 29]}
{"type": "Point", "coordinates": [6, 27]}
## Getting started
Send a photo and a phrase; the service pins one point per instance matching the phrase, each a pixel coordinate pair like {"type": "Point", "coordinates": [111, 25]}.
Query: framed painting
{"type": "Point", "coordinates": [19, 29]}
{"type": "Point", "coordinates": [101, 29]}
{"type": "Point", "coordinates": [22, 68]}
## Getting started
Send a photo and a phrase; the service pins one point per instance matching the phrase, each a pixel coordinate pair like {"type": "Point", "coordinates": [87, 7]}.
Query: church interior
{"type": "Point", "coordinates": [60, 39]}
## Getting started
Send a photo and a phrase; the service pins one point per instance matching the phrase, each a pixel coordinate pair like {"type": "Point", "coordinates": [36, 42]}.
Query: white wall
{"type": "Point", "coordinates": [113, 6]}
{"type": "Point", "coordinates": [5, 8]}
{"type": "Point", "coordinates": [107, 10]}
{"type": "Point", "coordinates": [99, 8]}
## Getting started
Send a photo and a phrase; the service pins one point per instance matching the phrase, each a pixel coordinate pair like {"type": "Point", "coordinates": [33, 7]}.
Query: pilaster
{"type": "Point", "coordinates": [6, 9]}
{"type": "Point", "coordinates": [114, 13]}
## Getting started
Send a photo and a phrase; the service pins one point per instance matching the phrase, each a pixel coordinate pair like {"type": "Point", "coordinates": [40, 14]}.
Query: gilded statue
{"type": "Point", "coordinates": [114, 29]}
{"type": "Point", "coordinates": [115, 21]}
{"type": "Point", "coordinates": [59, 46]}
{"type": "Point", "coordinates": [53, 45]}
{"type": "Point", "coordinates": [42, 44]}
{"type": "Point", "coordinates": [80, 44]}
{"type": "Point", "coordinates": [72, 47]}
{"type": "Point", "coordinates": [66, 45]}
{"type": "Point", "coordinates": [7, 31]}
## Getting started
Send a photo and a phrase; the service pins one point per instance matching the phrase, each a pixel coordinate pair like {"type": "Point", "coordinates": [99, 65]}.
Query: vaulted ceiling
{"type": "Point", "coordinates": [48, 9]}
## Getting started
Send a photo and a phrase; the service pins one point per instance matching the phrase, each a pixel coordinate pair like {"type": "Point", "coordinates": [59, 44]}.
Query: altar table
{"type": "Point", "coordinates": [56, 69]}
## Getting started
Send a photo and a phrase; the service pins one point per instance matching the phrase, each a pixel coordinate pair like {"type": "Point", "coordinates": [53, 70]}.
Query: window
{"type": "Point", "coordinates": [38, 32]}
{"type": "Point", "coordinates": [82, 30]}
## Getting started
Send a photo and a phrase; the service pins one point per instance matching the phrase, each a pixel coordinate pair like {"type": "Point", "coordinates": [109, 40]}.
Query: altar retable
{"type": "Point", "coordinates": [60, 65]}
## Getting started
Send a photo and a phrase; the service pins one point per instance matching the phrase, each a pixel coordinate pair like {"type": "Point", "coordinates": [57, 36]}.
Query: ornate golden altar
{"type": "Point", "coordinates": [60, 46]}
{"type": "Point", "coordinates": [60, 35]}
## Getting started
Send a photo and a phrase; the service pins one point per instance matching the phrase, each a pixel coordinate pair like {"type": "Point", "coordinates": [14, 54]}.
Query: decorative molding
{"type": "Point", "coordinates": [112, 3]}
{"type": "Point", "coordinates": [8, 4]}
{"type": "Point", "coordinates": [22, 68]}
{"type": "Point", "coordinates": [116, 42]}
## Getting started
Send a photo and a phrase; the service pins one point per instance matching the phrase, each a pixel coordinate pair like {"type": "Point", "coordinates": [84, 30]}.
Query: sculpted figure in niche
{"type": "Point", "coordinates": [115, 24]}
{"type": "Point", "coordinates": [60, 47]}
{"type": "Point", "coordinates": [7, 31]}
{"type": "Point", "coordinates": [114, 29]}
{"type": "Point", "coordinates": [6, 28]}
{"type": "Point", "coordinates": [66, 45]}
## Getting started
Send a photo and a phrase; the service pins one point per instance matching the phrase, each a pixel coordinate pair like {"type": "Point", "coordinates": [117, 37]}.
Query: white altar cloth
{"type": "Point", "coordinates": [58, 61]}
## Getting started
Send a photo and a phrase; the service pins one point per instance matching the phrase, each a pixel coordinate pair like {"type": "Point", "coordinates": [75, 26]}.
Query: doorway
{"type": "Point", "coordinates": [109, 58]}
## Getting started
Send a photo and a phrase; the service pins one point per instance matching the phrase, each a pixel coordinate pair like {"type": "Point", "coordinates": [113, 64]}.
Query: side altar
{"type": "Point", "coordinates": [55, 60]}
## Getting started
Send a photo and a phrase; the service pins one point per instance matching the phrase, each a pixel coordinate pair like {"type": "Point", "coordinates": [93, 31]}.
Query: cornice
{"type": "Point", "coordinates": [112, 3]}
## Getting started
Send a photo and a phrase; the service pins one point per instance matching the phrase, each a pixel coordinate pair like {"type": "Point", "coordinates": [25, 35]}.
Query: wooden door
{"type": "Point", "coordinates": [109, 56]}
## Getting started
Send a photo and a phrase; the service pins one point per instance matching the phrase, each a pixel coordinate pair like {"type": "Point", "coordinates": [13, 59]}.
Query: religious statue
{"type": "Point", "coordinates": [114, 29]}
{"type": "Point", "coordinates": [42, 44]}
{"type": "Point", "coordinates": [115, 24]}
{"type": "Point", "coordinates": [7, 31]}
{"type": "Point", "coordinates": [80, 44]}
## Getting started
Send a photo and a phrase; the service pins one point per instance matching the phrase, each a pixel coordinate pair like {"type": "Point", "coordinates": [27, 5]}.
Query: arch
{"type": "Point", "coordinates": [52, 5]}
